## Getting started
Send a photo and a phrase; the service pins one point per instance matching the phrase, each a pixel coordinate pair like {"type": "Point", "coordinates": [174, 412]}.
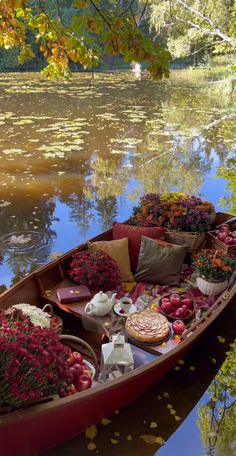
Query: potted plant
{"type": "Point", "coordinates": [214, 269]}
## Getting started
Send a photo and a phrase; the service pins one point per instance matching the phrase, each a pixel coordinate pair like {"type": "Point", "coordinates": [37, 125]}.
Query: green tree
{"type": "Point", "coordinates": [196, 27]}
{"type": "Point", "coordinates": [81, 34]}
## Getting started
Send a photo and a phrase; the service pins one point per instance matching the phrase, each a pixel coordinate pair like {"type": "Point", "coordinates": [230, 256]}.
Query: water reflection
{"type": "Point", "coordinates": [80, 156]}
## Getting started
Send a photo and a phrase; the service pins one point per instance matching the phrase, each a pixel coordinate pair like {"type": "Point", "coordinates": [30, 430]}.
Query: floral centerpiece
{"type": "Point", "coordinates": [214, 265]}
{"type": "Point", "coordinates": [214, 268]}
{"type": "Point", "coordinates": [97, 270]}
{"type": "Point", "coordinates": [33, 361]}
{"type": "Point", "coordinates": [174, 211]}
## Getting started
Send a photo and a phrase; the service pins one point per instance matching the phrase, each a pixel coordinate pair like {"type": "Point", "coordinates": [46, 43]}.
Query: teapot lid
{"type": "Point", "coordinates": [101, 297]}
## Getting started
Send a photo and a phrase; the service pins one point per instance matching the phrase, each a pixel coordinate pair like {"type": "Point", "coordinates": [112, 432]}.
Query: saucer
{"type": "Point", "coordinates": [118, 310]}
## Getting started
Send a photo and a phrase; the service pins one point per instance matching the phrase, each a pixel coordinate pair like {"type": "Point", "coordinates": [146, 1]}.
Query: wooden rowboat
{"type": "Point", "coordinates": [54, 420]}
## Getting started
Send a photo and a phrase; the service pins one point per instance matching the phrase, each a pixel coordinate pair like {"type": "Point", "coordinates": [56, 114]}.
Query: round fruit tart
{"type": "Point", "coordinates": [147, 326]}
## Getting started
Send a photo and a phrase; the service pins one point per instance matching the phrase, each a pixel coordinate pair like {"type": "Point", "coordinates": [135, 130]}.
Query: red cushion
{"type": "Point", "coordinates": [134, 234]}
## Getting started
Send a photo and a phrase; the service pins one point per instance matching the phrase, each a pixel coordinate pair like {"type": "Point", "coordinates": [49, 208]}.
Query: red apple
{"type": "Point", "coordinates": [187, 302]}
{"type": "Point", "coordinates": [178, 327]}
{"type": "Point", "coordinates": [76, 370]}
{"type": "Point", "coordinates": [165, 300]}
{"type": "Point", "coordinates": [179, 313]}
{"type": "Point", "coordinates": [68, 391]}
{"type": "Point", "coordinates": [222, 235]}
{"type": "Point", "coordinates": [75, 358]}
{"type": "Point", "coordinates": [228, 240]}
{"type": "Point", "coordinates": [83, 382]}
{"type": "Point", "coordinates": [225, 228]}
{"type": "Point", "coordinates": [175, 299]}
{"type": "Point", "coordinates": [167, 307]}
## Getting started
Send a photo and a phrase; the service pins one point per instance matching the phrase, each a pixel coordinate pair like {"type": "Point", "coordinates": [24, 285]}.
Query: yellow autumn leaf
{"type": "Point", "coordinates": [192, 368]}
{"type": "Point", "coordinates": [91, 446]}
{"type": "Point", "coordinates": [105, 421]}
{"type": "Point", "coordinates": [172, 412]}
{"type": "Point", "coordinates": [159, 440]}
{"type": "Point", "coordinates": [165, 394]}
{"type": "Point", "coordinates": [159, 397]}
{"type": "Point", "coordinates": [114, 441]}
{"type": "Point", "coordinates": [129, 437]}
{"type": "Point", "coordinates": [177, 418]}
{"type": "Point", "coordinates": [163, 344]}
{"type": "Point", "coordinates": [213, 360]}
{"type": "Point", "coordinates": [221, 339]}
{"type": "Point", "coordinates": [177, 368]}
{"type": "Point", "coordinates": [181, 362]}
{"type": "Point", "coordinates": [169, 406]}
{"type": "Point", "coordinates": [117, 434]}
{"type": "Point", "coordinates": [148, 438]}
{"type": "Point", "coordinates": [91, 432]}
{"type": "Point", "coordinates": [153, 424]}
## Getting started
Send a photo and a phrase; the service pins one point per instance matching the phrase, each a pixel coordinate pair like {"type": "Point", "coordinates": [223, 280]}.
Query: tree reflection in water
{"type": "Point", "coordinates": [217, 418]}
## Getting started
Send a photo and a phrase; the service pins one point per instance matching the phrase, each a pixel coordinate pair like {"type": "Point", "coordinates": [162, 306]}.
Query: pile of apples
{"type": "Point", "coordinates": [177, 306]}
{"type": "Point", "coordinates": [225, 235]}
{"type": "Point", "coordinates": [81, 374]}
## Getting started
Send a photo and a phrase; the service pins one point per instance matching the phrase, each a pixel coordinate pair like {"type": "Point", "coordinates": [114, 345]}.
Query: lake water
{"type": "Point", "coordinates": [75, 156]}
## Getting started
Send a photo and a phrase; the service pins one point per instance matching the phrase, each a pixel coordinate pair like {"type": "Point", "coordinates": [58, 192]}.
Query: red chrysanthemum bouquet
{"type": "Point", "coordinates": [97, 270]}
{"type": "Point", "coordinates": [33, 361]}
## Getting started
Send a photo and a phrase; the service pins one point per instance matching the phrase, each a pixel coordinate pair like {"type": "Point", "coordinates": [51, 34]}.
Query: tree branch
{"type": "Point", "coordinates": [208, 20]}
{"type": "Point", "coordinates": [143, 12]}
{"type": "Point", "coordinates": [101, 14]}
{"type": "Point", "coordinates": [127, 9]}
{"type": "Point", "coordinates": [59, 12]}
{"type": "Point", "coordinates": [206, 46]}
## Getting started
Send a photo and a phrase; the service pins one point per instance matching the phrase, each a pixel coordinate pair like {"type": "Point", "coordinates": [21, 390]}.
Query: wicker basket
{"type": "Point", "coordinates": [191, 239]}
{"type": "Point", "coordinates": [56, 322]}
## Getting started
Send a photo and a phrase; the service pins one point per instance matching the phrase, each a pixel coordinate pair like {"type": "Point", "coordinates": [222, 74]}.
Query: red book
{"type": "Point", "coordinates": [73, 294]}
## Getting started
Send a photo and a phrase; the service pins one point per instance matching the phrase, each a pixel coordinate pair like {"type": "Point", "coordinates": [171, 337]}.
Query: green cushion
{"type": "Point", "coordinates": [160, 262]}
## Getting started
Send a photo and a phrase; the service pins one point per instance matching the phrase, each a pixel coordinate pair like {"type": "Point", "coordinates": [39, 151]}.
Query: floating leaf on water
{"type": "Point", "coordinates": [159, 397]}
{"type": "Point", "coordinates": [151, 439]}
{"type": "Point", "coordinates": [153, 424]}
{"type": "Point", "coordinates": [169, 406]}
{"type": "Point", "coordinates": [55, 255]}
{"type": "Point", "coordinates": [105, 421]}
{"type": "Point", "coordinates": [213, 360]}
{"type": "Point", "coordinates": [221, 339]}
{"type": "Point", "coordinates": [181, 362]}
{"type": "Point", "coordinates": [91, 432]}
{"type": "Point", "coordinates": [172, 412]}
{"type": "Point", "coordinates": [177, 418]}
{"type": "Point", "coordinates": [91, 446]}
{"type": "Point", "coordinates": [192, 368]}
{"type": "Point", "coordinates": [165, 394]}
{"type": "Point", "coordinates": [117, 434]}
{"type": "Point", "coordinates": [129, 437]}
{"type": "Point", "coordinates": [114, 441]}
{"type": "Point", "coordinates": [177, 368]}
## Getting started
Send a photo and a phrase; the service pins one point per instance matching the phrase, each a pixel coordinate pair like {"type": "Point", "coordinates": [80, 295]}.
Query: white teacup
{"type": "Point", "coordinates": [126, 303]}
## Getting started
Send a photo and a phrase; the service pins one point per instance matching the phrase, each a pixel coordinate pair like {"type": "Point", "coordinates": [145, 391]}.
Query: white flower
{"type": "Point", "coordinates": [37, 316]}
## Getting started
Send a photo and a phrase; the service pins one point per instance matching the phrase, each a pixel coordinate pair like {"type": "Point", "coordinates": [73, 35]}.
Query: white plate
{"type": "Point", "coordinates": [117, 310]}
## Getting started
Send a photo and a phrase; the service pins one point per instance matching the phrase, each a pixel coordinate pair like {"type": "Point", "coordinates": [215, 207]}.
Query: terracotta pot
{"type": "Point", "coordinates": [211, 288]}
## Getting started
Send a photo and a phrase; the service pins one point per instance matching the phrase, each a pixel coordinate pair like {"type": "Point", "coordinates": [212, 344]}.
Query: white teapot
{"type": "Point", "coordinates": [100, 305]}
